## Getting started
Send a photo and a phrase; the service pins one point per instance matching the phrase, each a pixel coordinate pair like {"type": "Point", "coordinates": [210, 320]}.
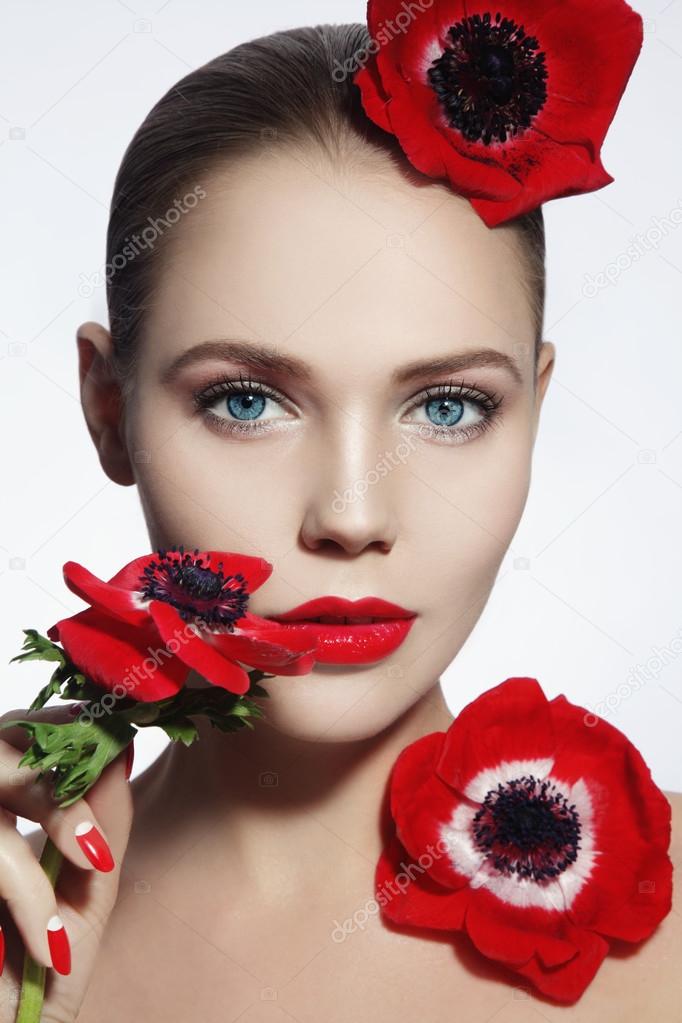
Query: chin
{"type": "Point", "coordinates": [337, 703]}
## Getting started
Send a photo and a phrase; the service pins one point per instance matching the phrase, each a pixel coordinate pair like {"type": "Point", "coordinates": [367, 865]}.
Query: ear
{"type": "Point", "coordinates": [546, 362]}
{"type": "Point", "coordinates": [102, 401]}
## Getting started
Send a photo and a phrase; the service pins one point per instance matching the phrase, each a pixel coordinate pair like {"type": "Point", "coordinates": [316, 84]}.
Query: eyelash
{"type": "Point", "coordinates": [488, 404]}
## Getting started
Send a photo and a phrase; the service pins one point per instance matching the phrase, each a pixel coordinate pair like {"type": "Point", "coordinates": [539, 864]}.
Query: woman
{"type": "Point", "coordinates": [322, 357]}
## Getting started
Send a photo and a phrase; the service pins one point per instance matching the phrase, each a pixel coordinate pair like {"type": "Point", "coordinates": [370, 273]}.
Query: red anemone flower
{"type": "Point", "coordinates": [533, 826]}
{"type": "Point", "coordinates": [163, 615]}
{"type": "Point", "coordinates": [511, 102]}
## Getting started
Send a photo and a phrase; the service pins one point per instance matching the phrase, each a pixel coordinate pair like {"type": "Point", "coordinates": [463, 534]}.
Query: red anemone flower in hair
{"type": "Point", "coordinates": [533, 826]}
{"type": "Point", "coordinates": [510, 102]}
{"type": "Point", "coordinates": [163, 615]}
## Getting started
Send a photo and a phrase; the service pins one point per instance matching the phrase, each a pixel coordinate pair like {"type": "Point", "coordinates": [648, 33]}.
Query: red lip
{"type": "Point", "coordinates": [371, 607]}
{"type": "Point", "coordinates": [350, 643]}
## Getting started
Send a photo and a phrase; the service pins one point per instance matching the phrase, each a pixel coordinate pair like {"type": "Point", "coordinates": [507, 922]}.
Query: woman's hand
{"type": "Point", "coordinates": [84, 896]}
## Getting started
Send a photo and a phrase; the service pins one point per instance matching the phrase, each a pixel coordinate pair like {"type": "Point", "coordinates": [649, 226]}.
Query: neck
{"type": "Point", "coordinates": [278, 806]}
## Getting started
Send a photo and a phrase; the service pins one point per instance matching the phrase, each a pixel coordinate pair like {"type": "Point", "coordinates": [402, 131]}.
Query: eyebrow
{"type": "Point", "coordinates": [264, 357]}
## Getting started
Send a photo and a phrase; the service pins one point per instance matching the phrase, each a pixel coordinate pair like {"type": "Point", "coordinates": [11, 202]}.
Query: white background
{"type": "Point", "coordinates": [589, 598]}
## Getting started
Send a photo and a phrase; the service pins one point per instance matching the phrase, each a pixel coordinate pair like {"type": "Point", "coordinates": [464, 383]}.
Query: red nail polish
{"type": "Point", "coordinates": [60, 950]}
{"type": "Point", "coordinates": [130, 756]}
{"type": "Point", "coordinates": [2, 950]}
{"type": "Point", "coordinates": [93, 845]}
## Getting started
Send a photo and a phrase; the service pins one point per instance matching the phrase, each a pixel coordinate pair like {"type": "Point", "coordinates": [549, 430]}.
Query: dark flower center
{"type": "Point", "coordinates": [490, 79]}
{"type": "Point", "coordinates": [525, 827]}
{"type": "Point", "coordinates": [195, 590]}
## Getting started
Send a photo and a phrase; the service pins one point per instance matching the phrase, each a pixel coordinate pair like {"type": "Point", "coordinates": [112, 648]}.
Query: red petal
{"type": "Point", "coordinates": [648, 904]}
{"type": "Point", "coordinates": [586, 80]}
{"type": "Point", "coordinates": [584, 740]}
{"type": "Point", "coordinates": [408, 895]}
{"type": "Point", "coordinates": [108, 652]}
{"type": "Point", "coordinates": [548, 171]}
{"type": "Point", "coordinates": [263, 652]}
{"type": "Point", "coordinates": [632, 824]}
{"type": "Point", "coordinates": [114, 599]}
{"type": "Point", "coordinates": [374, 98]}
{"type": "Point", "coordinates": [131, 577]}
{"type": "Point", "coordinates": [567, 982]}
{"type": "Point", "coordinates": [264, 644]}
{"type": "Point", "coordinates": [196, 652]}
{"type": "Point", "coordinates": [512, 934]}
{"type": "Point", "coordinates": [421, 803]}
{"type": "Point", "coordinates": [509, 722]}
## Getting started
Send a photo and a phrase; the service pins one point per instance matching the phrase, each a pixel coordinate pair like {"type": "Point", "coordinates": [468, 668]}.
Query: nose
{"type": "Point", "coordinates": [352, 503]}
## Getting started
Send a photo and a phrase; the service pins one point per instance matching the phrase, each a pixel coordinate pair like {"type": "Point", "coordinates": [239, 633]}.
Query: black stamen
{"type": "Point", "coordinates": [194, 589]}
{"type": "Point", "coordinates": [490, 79]}
{"type": "Point", "coordinates": [525, 827]}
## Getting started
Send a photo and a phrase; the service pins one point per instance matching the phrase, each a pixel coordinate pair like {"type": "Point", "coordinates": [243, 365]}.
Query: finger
{"type": "Point", "coordinates": [75, 829]}
{"type": "Point", "coordinates": [20, 737]}
{"type": "Point", "coordinates": [111, 800]}
{"type": "Point", "coordinates": [27, 892]}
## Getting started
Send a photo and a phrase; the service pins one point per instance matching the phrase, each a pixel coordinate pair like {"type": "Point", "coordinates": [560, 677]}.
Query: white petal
{"type": "Point", "coordinates": [505, 771]}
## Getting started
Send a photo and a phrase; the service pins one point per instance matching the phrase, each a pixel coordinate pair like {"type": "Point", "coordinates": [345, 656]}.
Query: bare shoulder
{"type": "Point", "coordinates": [634, 983]}
{"type": "Point", "coordinates": [675, 800]}
{"type": "Point", "coordinates": [658, 972]}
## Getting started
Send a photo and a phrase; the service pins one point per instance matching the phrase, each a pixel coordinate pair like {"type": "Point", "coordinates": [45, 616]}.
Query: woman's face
{"type": "Point", "coordinates": [359, 472]}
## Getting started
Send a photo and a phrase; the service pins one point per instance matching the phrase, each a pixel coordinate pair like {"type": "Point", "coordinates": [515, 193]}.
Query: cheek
{"type": "Point", "coordinates": [468, 508]}
{"type": "Point", "coordinates": [200, 490]}
{"type": "Point", "coordinates": [461, 524]}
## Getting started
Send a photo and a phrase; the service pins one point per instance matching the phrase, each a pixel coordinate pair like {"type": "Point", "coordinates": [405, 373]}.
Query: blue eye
{"type": "Point", "coordinates": [246, 406]}
{"type": "Point", "coordinates": [238, 405]}
{"type": "Point", "coordinates": [445, 411]}
{"type": "Point", "coordinates": [453, 412]}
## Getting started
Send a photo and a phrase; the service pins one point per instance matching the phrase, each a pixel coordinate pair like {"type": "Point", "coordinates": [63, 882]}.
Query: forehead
{"type": "Point", "coordinates": [349, 260]}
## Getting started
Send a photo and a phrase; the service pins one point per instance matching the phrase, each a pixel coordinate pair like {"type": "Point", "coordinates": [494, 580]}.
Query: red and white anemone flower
{"type": "Point", "coordinates": [165, 614]}
{"type": "Point", "coordinates": [534, 827]}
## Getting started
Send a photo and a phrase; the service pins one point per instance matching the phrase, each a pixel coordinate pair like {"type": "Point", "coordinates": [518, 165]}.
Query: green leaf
{"type": "Point", "coordinates": [74, 753]}
{"type": "Point", "coordinates": [180, 729]}
{"type": "Point", "coordinates": [39, 647]}
{"type": "Point", "coordinates": [257, 690]}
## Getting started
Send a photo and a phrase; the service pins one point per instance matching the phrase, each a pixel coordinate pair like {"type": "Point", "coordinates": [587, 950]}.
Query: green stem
{"type": "Point", "coordinates": [33, 979]}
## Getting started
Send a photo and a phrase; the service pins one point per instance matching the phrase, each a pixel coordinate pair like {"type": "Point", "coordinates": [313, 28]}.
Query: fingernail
{"type": "Point", "coordinates": [60, 950]}
{"type": "Point", "coordinates": [2, 950]}
{"type": "Point", "coordinates": [130, 756]}
{"type": "Point", "coordinates": [93, 845]}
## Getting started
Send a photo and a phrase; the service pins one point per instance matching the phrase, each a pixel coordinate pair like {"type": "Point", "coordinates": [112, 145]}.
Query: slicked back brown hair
{"type": "Point", "coordinates": [283, 89]}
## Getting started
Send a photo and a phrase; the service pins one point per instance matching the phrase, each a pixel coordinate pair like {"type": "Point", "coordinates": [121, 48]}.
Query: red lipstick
{"type": "Point", "coordinates": [350, 631]}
